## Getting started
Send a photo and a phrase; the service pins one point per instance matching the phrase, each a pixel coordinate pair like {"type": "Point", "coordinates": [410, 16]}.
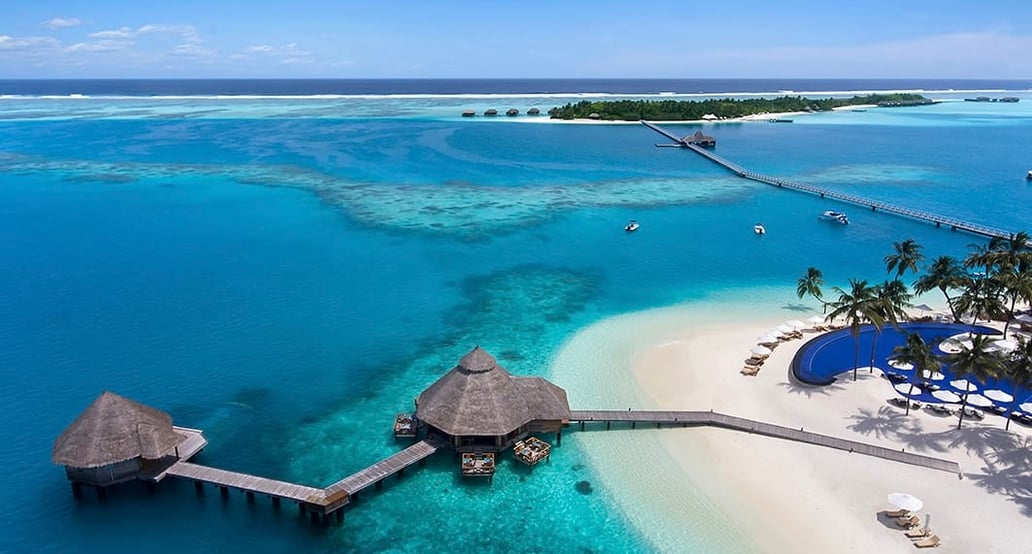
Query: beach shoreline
{"type": "Point", "coordinates": [783, 495]}
{"type": "Point", "coordinates": [762, 117]}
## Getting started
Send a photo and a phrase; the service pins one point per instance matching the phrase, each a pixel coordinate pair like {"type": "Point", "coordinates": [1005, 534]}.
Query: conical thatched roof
{"type": "Point", "coordinates": [114, 429]}
{"type": "Point", "coordinates": [478, 397]}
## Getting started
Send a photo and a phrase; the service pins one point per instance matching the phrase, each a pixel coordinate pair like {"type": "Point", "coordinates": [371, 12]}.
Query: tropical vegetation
{"type": "Point", "coordinates": [720, 108]}
{"type": "Point", "coordinates": [990, 283]}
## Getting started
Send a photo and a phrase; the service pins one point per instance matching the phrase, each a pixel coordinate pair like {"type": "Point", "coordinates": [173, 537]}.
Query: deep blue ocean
{"type": "Point", "coordinates": [288, 269]}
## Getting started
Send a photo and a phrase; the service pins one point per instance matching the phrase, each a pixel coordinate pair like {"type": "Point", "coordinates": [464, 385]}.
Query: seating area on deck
{"type": "Point", "coordinates": [532, 450]}
{"type": "Point", "coordinates": [478, 464]}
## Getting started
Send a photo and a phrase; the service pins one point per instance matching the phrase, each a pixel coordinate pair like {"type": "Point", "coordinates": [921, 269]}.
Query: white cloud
{"type": "Point", "coordinates": [62, 23]}
{"type": "Point", "coordinates": [185, 32]}
{"type": "Point", "coordinates": [99, 46]}
{"type": "Point", "coordinates": [26, 43]}
{"type": "Point", "coordinates": [289, 54]}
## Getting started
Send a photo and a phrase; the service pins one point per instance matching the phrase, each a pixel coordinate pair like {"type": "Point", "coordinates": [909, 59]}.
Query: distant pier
{"type": "Point", "coordinates": [874, 205]}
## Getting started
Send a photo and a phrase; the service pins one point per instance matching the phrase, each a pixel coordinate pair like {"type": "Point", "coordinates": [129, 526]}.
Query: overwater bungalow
{"type": "Point", "coordinates": [491, 112]}
{"type": "Point", "coordinates": [512, 112]}
{"type": "Point", "coordinates": [469, 113]}
{"type": "Point", "coordinates": [117, 440]}
{"type": "Point", "coordinates": [700, 139]}
{"type": "Point", "coordinates": [533, 111]}
{"type": "Point", "coordinates": [478, 406]}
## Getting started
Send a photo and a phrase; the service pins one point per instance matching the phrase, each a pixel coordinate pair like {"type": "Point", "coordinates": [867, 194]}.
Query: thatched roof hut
{"type": "Point", "coordinates": [491, 111]}
{"type": "Point", "coordinates": [700, 139]}
{"type": "Point", "coordinates": [511, 112]}
{"type": "Point", "coordinates": [469, 113]}
{"type": "Point", "coordinates": [113, 440]}
{"type": "Point", "coordinates": [533, 111]}
{"type": "Point", "coordinates": [478, 402]}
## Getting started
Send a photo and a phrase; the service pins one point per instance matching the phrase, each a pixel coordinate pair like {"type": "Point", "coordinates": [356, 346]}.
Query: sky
{"type": "Point", "coordinates": [986, 39]}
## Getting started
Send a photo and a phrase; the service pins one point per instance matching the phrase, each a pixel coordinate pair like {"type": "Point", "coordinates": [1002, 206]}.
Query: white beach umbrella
{"type": "Point", "coordinates": [785, 329]}
{"type": "Point", "coordinates": [1024, 318]}
{"type": "Point", "coordinates": [769, 339]}
{"type": "Point", "coordinates": [900, 365]}
{"type": "Point", "coordinates": [1027, 406]}
{"type": "Point", "coordinates": [933, 376]}
{"type": "Point", "coordinates": [795, 324]}
{"type": "Point", "coordinates": [946, 396]}
{"type": "Point", "coordinates": [906, 501]}
{"type": "Point", "coordinates": [924, 308]}
{"type": "Point", "coordinates": [964, 385]}
{"type": "Point", "coordinates": [998, 395]}
{"type": "Point", "coordinates": [979, 400]}
{"type": "Point", "coordinates": [904, 389]}
{"type": "Point", "coordinates": [761, 351]}
{"type": "Point", "coordinates": [817, 320]}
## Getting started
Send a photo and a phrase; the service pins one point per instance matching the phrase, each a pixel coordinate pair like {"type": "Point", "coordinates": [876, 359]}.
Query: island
{"type": "Point", "coordinates": [722, 108]}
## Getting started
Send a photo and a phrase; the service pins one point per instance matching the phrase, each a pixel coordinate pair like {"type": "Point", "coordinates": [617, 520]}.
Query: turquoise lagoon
{"type": "Point", "coordinates": [286, 274]}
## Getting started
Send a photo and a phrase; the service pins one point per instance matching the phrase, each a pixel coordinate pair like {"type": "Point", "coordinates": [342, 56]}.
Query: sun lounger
{"type": "Point", "coordinates": [908, 522]}
{"type": "Point", "coordinates": [898, 513]}
{"type": "Point", "coordinates": [930, 542]}
{"type": "Point", "coordinates": [918, 533]}
{"type": "Point", "coordinates": [750, 370]}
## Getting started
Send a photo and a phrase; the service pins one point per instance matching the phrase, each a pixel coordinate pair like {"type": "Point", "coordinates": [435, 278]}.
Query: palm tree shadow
{"type": "Point", "coordinates": [887, 423]}
{"type": "Point", "coordinates": [795, 387]}
{"type": "Point", "coordinates": [1009, 472]}
{"type": "Point", "coordinates": [797, 307]}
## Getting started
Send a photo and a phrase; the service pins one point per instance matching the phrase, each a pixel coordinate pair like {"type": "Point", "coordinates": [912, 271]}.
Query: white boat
{"type": "Point", "coordinates": [1029, 176]}
{"type": "Point", "coordinates": [759, 229]}
{"type": "Point", "coordinates": [631, 227]}
{"type": "Point", "coordinates": [832, 215]}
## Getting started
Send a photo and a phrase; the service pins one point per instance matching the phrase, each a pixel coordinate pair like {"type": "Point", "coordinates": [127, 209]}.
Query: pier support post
{"type": "Point", "coordinates": [199, 487]}
{"type": "Point", "coordinates": [275, 502]}
{"type": "Point", "coordinates": [301, 509]}
{"type": "Point", "coordinates": [659, 424]}
{"type": "Point", "coordinates": [340, 515]}
{"type": "Point", "coordinates": [422, 462]}
{"type": "Point", "coordinates": [250, 497]}
{"type": "Point", "coordinates": [559, 438]}
{"type": "Point", "coordinates": [609, 424]}
{"type": "Point", "coordinates": [224, 492]}
{"type": "Point", "coordinates": [101, 494]}
{"type": "Point", "coordinates": [379, 484]}
{"type": "Point", "coordinates": [401, 473]}
{"type": "Point", "coordinates": [315, 517]}
{"type": "Point", "coordinates": [77, 491]}
{"type": "Point", "coordinates": [633, 424]}
{"type": "Point", "coordinates": [582, 425]}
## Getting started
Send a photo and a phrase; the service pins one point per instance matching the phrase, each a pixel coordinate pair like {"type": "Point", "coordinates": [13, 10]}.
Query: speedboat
{"type": "Point", "coordinates": [832, 215]}
{"type": "Point", "coordinates": [1029, 175]}
{"type": "Point", "coordinates": [632, 226]}
{"type": "Point", "coordinates": [759, 229]}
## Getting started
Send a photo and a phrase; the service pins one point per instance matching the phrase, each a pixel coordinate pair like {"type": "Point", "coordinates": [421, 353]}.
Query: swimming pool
{"type": "Point", "coordinates": [821, 360]}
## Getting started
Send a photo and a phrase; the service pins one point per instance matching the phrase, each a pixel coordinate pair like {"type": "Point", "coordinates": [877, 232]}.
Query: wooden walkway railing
{"type": "Point", "coordinates": [314, 500]}
{"type": "Point", "coordinates": [876, 205]}
{"type": "Point", "coordinates": [385, 468]}
{"type": "Point", "coordinates": [716, 419]}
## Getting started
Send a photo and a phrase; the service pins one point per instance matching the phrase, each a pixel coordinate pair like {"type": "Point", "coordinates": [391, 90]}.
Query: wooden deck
{"type": "Point", "coordinates": [715, 419]}
{"type": "Point", "coordinates": [874, 205]}
{"type": "Point", "coordinates": [383, 469]}
{"type": "Point", "coordinates": [248, 483]}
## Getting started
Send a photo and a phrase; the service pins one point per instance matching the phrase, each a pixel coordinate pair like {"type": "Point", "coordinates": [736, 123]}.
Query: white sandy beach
{"type": "Point", "coordinates": [773, 495]}
{"type": "Point", "coordinates": [762, 117]}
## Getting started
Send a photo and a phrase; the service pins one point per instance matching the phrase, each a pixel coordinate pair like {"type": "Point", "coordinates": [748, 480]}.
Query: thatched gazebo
{"type": "Point", "coordinates": [116, 440]}
{"type": "Point", "coordinates": [533, 111]}
{"type": "Point", "coordinates": [478, 405]}
{"type": "Point", "coordinates": [512, 112]}
{"type": "Point", "coordinates": [491, 112]}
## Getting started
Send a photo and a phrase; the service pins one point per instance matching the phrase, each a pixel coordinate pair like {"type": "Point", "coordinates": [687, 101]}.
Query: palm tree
{"type": "Point", "coordinates": [893, 299]}
{"type": "Point", "coordinates": [811, 284]}
{"type": "Point", "coordinates": [858, 305]}
{"type": "Point", "coordinates": [917, 353]}
{"type": "Point", "coordinates": [944, 274]}
{"type": "Point", "coordinates": [907, 256]}
{"type": "Point", "coordinates": [979, 362]}
{"type": "Point", "coordinates": [980, 297]}
{"type": "Point", "coordinates": [1018, 370]}
{"type": "Point", "coordinates": [1016, 284]}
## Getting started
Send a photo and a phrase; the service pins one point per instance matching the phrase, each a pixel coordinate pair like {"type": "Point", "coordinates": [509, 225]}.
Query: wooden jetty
{"type": "Point", "coordinates": [383, 469]}
{"type": "Point", "coordinates": [716, 419]}
{"type": "Point", "coordinates": [874, 205]}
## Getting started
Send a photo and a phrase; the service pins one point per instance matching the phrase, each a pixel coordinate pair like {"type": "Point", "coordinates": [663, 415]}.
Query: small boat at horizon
{"type": "Point", "coordinates": [832, 215]}
{"type": "Point", "coordinates": [1028, 176]}
{"type": "Point", "coordinates": [759, 229]}
{"type": "Point", "coordinates": [631, 226]}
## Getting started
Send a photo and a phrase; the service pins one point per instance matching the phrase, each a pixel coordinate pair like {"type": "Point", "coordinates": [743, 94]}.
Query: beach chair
{"type": "Point", "coordinates": [930, 542]}
{"type": "Point", "coordinates": [750, 370]}
{"type": "Point", "coordinates": [918, 533]}
{"type": "Point", "coordinates": [908, 522]}
{"type": "Point", "coordinates": [898, 513]}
